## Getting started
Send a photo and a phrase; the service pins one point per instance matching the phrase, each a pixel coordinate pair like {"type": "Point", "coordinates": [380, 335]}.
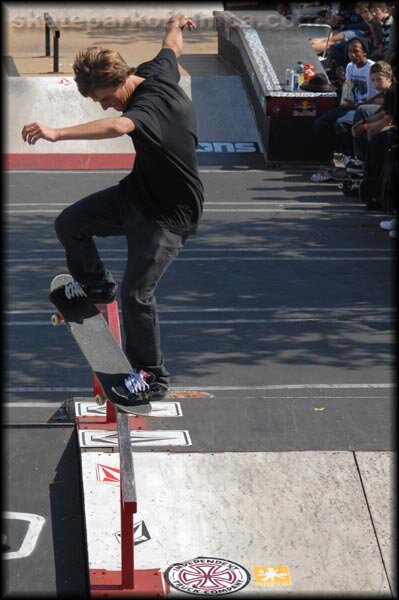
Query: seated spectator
{"type": "Point", "coordinates": [391, 52]}
{"type": "Point", "coordinates": [372, 118]}
{"type": "Point", "coordinates": [368, 107]}
{"type": "Point", "coordinates": [383, 19]}
{"type": "Point", "coordinates": [330, 128]}
{"type": "Point", "coordinates": [344, 29]}
{"type": "Point", "coordinates": [380, 141]}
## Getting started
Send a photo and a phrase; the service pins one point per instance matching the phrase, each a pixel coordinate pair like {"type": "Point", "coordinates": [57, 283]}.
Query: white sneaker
{"type": "Point", "coordinates": [389, 225]}
{"type": "Point", "coordinates": [393, 233]}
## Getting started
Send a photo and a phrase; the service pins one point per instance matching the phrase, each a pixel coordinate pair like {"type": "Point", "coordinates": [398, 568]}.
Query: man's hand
{"type": "Point", "coordinates": [174, 32]}
{"type": "Point", "coordinates": [32, 132]}
{"type": "Point", "coordinates": [182, 21]}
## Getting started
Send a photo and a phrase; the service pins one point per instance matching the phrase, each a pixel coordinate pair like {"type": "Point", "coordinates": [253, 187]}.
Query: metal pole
{"type": "Point", "coordinates": [56, 60]}
{"type": "Point", "coordinates": [47, 39]}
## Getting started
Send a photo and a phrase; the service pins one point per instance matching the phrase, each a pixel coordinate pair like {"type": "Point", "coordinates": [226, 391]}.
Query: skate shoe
{"type": "Point", "coordinates": [158, 391]}
{"type": "Point", "coordinates": [134, 390]}
{"type": "Point", "coordinates": [74, 293]}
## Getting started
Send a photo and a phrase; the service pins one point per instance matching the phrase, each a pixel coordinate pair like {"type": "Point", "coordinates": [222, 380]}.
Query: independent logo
{"type": "Point", "coordinates": [207, 576]}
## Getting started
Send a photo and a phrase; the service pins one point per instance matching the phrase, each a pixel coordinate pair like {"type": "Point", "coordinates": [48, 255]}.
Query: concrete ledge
{"type": "Point", "coordinates": [305, 511]}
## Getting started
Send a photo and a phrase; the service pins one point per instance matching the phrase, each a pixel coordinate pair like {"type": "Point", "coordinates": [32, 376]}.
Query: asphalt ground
{"type": "Point", "coordinates": [280, 307]}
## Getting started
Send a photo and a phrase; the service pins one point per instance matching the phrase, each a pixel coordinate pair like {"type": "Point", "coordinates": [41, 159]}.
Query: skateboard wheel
{"type": "Point", "coordinates": [100, 400]}
{"type": "Point", "coordinates": [56, 320]}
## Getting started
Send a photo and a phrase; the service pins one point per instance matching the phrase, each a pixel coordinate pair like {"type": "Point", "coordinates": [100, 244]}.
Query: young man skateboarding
{"type": "Point", "coordinates": [157, 206]}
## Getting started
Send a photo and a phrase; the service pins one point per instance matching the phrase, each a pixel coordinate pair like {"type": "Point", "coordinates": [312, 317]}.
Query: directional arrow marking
{"type": "Point", "coordinates": [158, 409]}
{"type": "Point", "coordinates": [107, 439]}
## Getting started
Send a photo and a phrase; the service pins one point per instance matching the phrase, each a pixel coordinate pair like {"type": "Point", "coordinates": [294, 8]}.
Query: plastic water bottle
{"type": "Point", "coordinates": [300, 69]}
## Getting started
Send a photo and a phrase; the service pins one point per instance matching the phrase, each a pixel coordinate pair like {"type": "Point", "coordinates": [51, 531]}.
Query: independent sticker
{"type": "Point", "coordinates": [207, 576]}
{"type": "Point", "coordinates": [277, 576]}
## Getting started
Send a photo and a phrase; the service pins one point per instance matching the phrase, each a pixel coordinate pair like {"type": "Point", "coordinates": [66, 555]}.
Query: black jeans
{"type": "Point", "coordinates": [150, 252]}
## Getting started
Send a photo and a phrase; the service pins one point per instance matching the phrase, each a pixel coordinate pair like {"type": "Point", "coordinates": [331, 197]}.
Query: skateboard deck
{"type": "Point", "coordinates": [99, 347]}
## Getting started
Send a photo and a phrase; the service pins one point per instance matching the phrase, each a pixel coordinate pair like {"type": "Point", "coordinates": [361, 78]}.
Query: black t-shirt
{"type": "Point", "coordinates": [164, 183]}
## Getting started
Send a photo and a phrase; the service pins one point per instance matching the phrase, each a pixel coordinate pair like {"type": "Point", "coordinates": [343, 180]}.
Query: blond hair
{"type": "Point", "coordinates": [381, 67]}
{"type": "Point", "coordinates": [96, 68]}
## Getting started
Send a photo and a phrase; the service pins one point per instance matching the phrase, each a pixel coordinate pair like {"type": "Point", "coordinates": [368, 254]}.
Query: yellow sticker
{"type": "Point", "coordinates": [276, 576]}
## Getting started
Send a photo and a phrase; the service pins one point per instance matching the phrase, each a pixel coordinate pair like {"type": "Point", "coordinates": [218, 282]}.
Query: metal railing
{"type": "Point", "coordinates": [128, 501]}
{"type": "Point", "coordinates": [128, 498]}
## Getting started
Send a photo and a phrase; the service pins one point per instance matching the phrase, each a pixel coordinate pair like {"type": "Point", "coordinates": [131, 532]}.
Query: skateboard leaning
{"type": "Point", "coordinates": [99, 347]}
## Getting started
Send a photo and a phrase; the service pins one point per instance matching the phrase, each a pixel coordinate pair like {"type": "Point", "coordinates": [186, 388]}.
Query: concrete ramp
{"type": "Point", "coordinates": [225, 120]}
{"type": "Point", "coordinates": [223, 112]}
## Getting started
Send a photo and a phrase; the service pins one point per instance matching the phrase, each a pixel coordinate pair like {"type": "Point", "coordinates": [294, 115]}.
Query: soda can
{"type": "Point", "coordinates": [289, 79]}
{"type": "Point", "coordinates": [295, 81]}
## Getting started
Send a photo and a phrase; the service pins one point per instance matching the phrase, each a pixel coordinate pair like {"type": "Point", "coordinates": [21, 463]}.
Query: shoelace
{"type": "Point", "coordinates": [135, 382]}
{"type": "Point", "coordinates": [73, 290]}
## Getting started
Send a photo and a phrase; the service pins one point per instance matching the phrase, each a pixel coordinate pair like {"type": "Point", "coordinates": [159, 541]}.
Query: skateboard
{"type": "Point", "coordinates": [105, 357]}
{"type": "Point", "coordinates": [347, 183]}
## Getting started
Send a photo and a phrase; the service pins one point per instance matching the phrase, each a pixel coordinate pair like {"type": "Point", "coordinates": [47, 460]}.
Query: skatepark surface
{"type": "Point", "coordinates": [280, 311]}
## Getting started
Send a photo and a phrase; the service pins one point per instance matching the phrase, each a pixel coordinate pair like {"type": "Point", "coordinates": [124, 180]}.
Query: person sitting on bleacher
{"type": "Point", "coordinates": [345, 26]}
{"type": "Point", "coordinates": [331, 127]}
{"type": "Point", "coordinates": [369, 119]}
{"type": "Point", "coordinates": [384, 20]}
{"type": "Point", "coordinates": [380, 142]}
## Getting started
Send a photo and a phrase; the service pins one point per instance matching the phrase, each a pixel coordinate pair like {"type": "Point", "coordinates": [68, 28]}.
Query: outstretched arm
{"type": "Point", "coordinates": [94, 130]}
{"type": "Point", "coordinates": [174, 32]}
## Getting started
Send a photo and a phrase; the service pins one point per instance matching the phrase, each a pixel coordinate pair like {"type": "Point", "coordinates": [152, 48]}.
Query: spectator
{"type": "Point", "coordinates": [391, 53]}
{"type": "Point", "coordinates": [383, 19]}
{"type": "Point", "coordinates": [344, 29]}
{"type": "Point", "coordinates": [331, 127]}
{"type": "Point", "coordinates": [372, 118]}
{"type": "Point", "coordinates": [379, 154]}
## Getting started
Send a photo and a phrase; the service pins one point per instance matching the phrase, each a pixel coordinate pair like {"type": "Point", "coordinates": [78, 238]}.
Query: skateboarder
{"type": "Point", "coordinates": [157, 206]}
